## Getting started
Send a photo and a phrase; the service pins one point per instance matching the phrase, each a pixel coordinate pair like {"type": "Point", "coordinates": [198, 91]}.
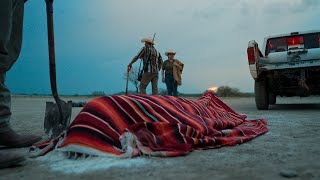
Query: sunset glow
{"type": "Point", "coordinates": [213, 88]}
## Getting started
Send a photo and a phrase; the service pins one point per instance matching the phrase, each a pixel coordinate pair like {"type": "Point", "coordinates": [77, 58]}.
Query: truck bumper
{"type": "Point", "coordinates": [290, 65]}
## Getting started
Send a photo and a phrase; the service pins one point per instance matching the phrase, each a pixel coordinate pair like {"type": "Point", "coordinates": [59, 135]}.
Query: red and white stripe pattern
{"type": "Point", "coordinates": [153, 125]}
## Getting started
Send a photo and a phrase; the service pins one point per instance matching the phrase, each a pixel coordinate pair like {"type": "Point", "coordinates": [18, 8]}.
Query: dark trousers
{"type": "Point", "coordinates": [171, 85]}
{"type": "Point", "coordinates": [11, 20]}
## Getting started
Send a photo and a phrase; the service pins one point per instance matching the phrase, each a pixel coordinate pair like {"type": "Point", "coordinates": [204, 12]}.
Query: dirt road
{"type": "Point", "coordinates": [291, 149]}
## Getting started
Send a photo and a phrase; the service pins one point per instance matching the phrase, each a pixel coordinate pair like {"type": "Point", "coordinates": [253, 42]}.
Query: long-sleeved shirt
{"type": "Point", "coordinates": [151, 58]}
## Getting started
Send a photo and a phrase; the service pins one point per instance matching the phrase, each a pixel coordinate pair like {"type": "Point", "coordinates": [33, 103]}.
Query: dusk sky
{"type": "Point", "coordinates": [96, 39]}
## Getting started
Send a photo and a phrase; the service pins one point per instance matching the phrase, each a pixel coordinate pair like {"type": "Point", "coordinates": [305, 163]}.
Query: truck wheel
{"type": "Point", "coordinates": [272, 98]}
{"type": "Point", "coordinates": [261, 94]}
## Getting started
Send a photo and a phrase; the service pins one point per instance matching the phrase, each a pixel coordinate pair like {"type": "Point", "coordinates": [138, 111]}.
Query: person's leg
{"type": "Point", "coordinates": [6, 18]}
{"type": "Point", "coordinates": [16, 31]}
{"type": "Point", "coordinates": [154, 82]}
{"type": "Point", "coordinates": [174, 89]}
{"type": "Point", "coordinates": [11, 22]}
{"type": "Point", "coordinates": [11, 17]}
{"type": "Point", "coordinates": [168, 80]}
{"type": "Point", "coordinates": [5, 103]}
{"type": "Point", "coordinates": [6, 13]}
{"type": "Point", "coordinates": [145, 80]}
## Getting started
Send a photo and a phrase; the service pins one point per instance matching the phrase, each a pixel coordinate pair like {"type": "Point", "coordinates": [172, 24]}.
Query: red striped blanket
{"type": "Point", "coordinates": [136, 125]}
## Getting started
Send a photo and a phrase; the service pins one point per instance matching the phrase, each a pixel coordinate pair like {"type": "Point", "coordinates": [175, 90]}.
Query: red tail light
{"type": "Point", "coordinates": [251, 58]}
{"type": "Point", "coordinates": [270, 45]}
{"type": "Point", "coordinates": [297, 40]}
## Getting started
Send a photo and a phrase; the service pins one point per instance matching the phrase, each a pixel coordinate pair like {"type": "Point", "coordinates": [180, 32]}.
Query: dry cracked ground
{"type": "Point", "coordinates": [291, 148]}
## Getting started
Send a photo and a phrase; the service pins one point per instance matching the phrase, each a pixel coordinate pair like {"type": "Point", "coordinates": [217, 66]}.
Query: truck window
{"type": "Point", "coordinates": [306, 41]}
{"type": "Point", "coordinates": [277, 45]}
{"type": "Point", "coordinates": [312, 41]}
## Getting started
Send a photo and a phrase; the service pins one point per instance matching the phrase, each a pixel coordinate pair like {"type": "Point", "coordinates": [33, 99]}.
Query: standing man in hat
{"type": "Point", "coordinates": [11, 23]}
{"type": "Point", "coordinates": [152, 62]}
{"type": "Point", "coordinates": [171, 73]}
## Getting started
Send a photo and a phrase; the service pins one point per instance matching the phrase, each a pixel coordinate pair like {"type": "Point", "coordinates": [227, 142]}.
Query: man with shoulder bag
{"type": "Point", "coordinates": [152, 62]}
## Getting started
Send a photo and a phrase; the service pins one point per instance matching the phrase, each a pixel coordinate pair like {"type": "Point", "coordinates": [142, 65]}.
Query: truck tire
{"type": "Point", "coordinates": [272, 98]}
{"type": "Point", "coordinates": [261, 94]}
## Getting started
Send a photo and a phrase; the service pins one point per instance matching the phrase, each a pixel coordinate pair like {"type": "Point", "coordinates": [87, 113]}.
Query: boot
{"type": "Point", "coordinates": [11, 139]}
{"type": "Point", "coordinates": [10, 159]}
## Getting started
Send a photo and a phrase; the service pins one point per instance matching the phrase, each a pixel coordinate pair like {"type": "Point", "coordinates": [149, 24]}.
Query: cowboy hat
{"type": "Point", "coordinates": [148, 40]}
{"type": "Point", "coordinates": [170, 52]}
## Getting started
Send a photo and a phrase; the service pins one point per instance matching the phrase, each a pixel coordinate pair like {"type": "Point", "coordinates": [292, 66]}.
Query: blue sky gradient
{"type": "Point", "coordinates": [95, 40]}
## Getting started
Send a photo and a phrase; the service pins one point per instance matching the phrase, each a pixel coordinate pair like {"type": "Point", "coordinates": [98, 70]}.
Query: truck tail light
{"type": "Point", "coordinates": [251, 56]}
{"type": "Point", "coordinates": [295, 42]}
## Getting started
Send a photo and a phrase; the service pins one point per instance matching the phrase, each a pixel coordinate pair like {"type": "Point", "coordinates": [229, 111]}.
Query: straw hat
{"type": "Point", "coordinates": [170, 52]}
{"type": "Point", "coordinates": [149, 40]}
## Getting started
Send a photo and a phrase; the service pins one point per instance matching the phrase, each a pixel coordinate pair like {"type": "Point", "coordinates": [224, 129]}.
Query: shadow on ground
{"type": "Point", "coordinates": [293, 107]}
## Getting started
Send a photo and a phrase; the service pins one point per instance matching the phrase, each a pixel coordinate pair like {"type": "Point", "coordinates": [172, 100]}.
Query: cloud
{"type": "Point", "coordinates": [210, 37]}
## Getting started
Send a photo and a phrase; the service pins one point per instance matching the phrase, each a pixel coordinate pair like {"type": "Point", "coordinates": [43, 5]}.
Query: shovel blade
{"type": "Point", "coordinates": [53, 124]}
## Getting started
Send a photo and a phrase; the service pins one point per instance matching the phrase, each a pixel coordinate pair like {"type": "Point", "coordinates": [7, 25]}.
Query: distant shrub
{"type": "Point", "coordinates": [98, 93]}
{"type": "Point", "coordinates": [226, 91]}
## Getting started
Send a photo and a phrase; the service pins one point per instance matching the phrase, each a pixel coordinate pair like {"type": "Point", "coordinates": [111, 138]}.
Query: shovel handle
{"type": "Point", "coordinates": [128, 74]}
{"type": "Point", "coordinates": [49, 5]}
{"type": "Point", "coordinates": [52, 59]}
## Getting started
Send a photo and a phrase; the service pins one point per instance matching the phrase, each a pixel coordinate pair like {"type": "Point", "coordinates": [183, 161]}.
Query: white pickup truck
{"type": "Point", "coordinates": [288, 65]}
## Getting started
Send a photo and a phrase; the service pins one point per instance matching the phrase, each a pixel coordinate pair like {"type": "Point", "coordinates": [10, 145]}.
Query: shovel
{"type": "Point", "coordinates": [57, 116]}
{"type": "Point", "coordinates": [128, 74]}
